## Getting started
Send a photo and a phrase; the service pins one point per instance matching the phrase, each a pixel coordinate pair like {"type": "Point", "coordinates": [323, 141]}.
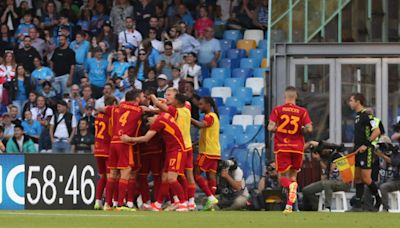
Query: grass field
{"type": "Point", "coordinates": [75, 218]}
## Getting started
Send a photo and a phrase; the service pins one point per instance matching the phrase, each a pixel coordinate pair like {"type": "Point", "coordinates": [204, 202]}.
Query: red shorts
{"type": "Point", "coordinates": [207, 164]}
{"type": "Point", "coordinates": [151, 162]}
{"type": "Point", "coordinates": [189, 160]}
{"type": "Point", "coordinates": [102, 165]}
{"type": "Point", "coordinates": [174, 162]}
{"type": "Point", "coordinates": [101, 149]}
{"type": "Point", "coordinates": [121, 156]}
{"type": "Point", "coordinates": [288, 160]}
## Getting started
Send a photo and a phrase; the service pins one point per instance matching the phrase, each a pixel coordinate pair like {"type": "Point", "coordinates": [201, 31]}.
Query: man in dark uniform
{"type": "Point", "coordinates": [366, 130]}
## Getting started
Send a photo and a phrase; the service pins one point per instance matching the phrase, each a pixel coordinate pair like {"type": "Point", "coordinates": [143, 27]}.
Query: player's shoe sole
{"type": "Point", "coordinates": [210, 204]}
{"type": "Point", "coordinates": [155, 208]}
{"type": "Point", "coordinates": [125, 209]}
{"type": "Point", "coordinates": [192, 207]}
{"type": "Point", "coordinates": [287, 211]}
{"type": "Point", "coordinates": [107, 208]}
{"type": "Point", "coordinates": [182, 207]}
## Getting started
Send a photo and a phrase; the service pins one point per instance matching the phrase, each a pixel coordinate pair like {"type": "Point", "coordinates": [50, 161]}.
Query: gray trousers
{"type": "Point", "coordinates": [238, 203]}
{"type": "Point", "coordinates": [387, 187]}
{"type": "Point", "coordinates": [329, 186]}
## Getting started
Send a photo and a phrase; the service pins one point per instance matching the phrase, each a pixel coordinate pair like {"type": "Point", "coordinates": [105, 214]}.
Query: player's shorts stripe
{"type": "Point", "coordinates": [178, 162]}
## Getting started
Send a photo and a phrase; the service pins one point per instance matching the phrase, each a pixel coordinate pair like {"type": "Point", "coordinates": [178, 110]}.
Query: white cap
{"type": "Point", "coordinates": [162, 76]}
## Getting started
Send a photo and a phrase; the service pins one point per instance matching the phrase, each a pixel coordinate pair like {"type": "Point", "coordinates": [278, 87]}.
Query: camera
{"type": "Point", "coordinates": [388, 148]}
{"type": "Point", "coordinates": [230, 164]}
{"type": "Point", "coordinates": [325, 149]}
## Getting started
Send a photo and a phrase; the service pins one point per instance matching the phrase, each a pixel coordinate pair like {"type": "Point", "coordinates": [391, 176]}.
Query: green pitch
{"type": "Point", "coordinates": [72, 219]}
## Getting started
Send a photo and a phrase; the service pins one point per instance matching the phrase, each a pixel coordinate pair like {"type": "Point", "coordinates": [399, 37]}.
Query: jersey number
{"type": "Point", "coordinates": [99, 126]}
{"type": "Point", "coordinates": [292, 120]}
{"type": "Point", "coordinates": [172, 162]}
{"type": "Point", "coordinates": [124, 118]}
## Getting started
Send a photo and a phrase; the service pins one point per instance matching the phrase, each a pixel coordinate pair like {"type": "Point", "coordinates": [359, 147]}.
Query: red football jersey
{"type": "Point", "coordinates": [126, 119]}
{"type": "Point", "coordinates": [154, 146]}
{"type": "Point", "coordinates": [166, 126]}
{"type": "Point", "coordinates": [289, 119]}
{"type": "Point", "coordinates": [102, 135]}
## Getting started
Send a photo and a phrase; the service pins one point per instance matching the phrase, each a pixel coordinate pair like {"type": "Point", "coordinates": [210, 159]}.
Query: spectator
{"type": "Point", "coordinates": [210, 50]}
{"type": "Point", "coordinates": [242, 17]}
{"type": "Point", "coordinates": [26, 55]}
{"type": "Point", "coordinates": [50, 43]}
{"type": "Point", "coordinates": [38, 43]}
{"type": "Point", "coordinates": [83, 141]}
{"type": "Point", "coordinates": [63, 28]}
{"type": "Point", "coordinates": [167, 60]}
{"type": "Point", "coordinates": [9, 16]}
{"type": "Point", "coordinates": [8, 126]}
{"type": "Point", "coordinates": [142, 65]}
{"type": "Point", "coordinates": [70, 10]}
{"type": "Point", "coordinates": [132, 80]}
{"type": "Point", "coordinates": [155, 24]}
{"type": "Point", "coordinates": [43, 114]}
{"type": "Point", "coordinates": [62, 129]}
{"type": "Point", "coordinates": [49, 16]}
{"type": "Point", "coordinates": [84, 21]}
{"type": "Point", "coordinates": [162, 81]}
{"type": "Point", "coordinates": [23, 28]}
{"type": "Point", "coordinates": [152, 53]}
{"type": "Point", "coordinates": [99, 19]}
{"type": "Point", "coordinates": [107, 35]}
{"type": "Point", "coordinates": [41, 74]}
{"type": "Point", "coordinates": [63, 64]}
{"type": "Point", "coordinates": [31, 102]}
{"type": "Point", "coordinates": [76, 105]}
{"type": "Point", "coordinates": [119, 12]}
{"type": "Point", "coordinates": [130, 55]}
{"type": "Point", "coordinates": [3, 141]}
{"type": "Point", "coordinates": [118, 65]}
{"type": "Point", "coordinates": [20, 143]}
{"type": "Point", "coordinates": [6, 39]}
{"type": "Point", "coordinates": [155, 43]}
{"type": "Point", "coordinates": [190, 70]}
{"type": "Point", "coordinates": [189, 43]}
{"type": "Point", "coordinates": [19, 88]}
{"type": "Point", "coordinates": [107, 91]}
{"type": "Point", "coordinates": [81, 48]}
{"type": "Point", "coordinates": [202, 23]}
{"type": "Point", "coordinates": [13, 111]}
{"type": "Point", "coordinates": [186, 17]}
{"type": "Point", "coordinates": [143, 12]}
{"type": "Point", "coordinates": [172, 36]}
{"type": "Point", "coordinates": [177, 82]}
{"type": "Point", "coordinates": [7, 73]}
{"type": "Point", "coordinates": [226, 8]}
{"type": "Point", "coordinates": [89, 117]}
{"type": "Point", "coordinates": [119, 91]}
{"type": "Point", "coordinates": [129, 37]}
{"type": "Point", "coordinates": [96, 70]}
{"type": "Point", "coordinates": [48, 92]}
{"type": "Point", "coordinates": [261, 15]}
{"type": "Point", "coordinates": [31, 127]}
{"type": "Point", "coordinates": [150, 83]}
{"type": "Point", "coordinates": [86, 94]}
{"type": "Point", "coordinates": [105, 49]}
{"type": "Point", "coordinates": [193, 99]}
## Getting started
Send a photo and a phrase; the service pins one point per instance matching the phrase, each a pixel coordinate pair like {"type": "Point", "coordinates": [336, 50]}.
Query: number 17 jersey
{"type": "Point", "coordinates": [125, 119]}
{"type": "Point", "coordinates": [289, 119]}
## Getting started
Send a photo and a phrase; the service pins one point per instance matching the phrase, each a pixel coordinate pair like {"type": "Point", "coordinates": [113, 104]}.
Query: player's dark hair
{"type": "Point", "coordinates": [131, 95]}
{"type": "Point", "coordinates": [181, 98]}
{"type": "Point", "coordinates": [110, 100]}
{"type": "Point", "coordinates": [210, 100]}
{"type": "Point", "coordinates": [359, 97]}
{"type": "Point", "coordinates": [19, 126]}
{"type": "Point", "coordinates": [144, 126]}
{"type": "Point", "coordinates": [291, 89]}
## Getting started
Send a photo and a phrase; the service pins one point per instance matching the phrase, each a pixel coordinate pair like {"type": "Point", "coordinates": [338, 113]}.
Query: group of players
{"type": "Point", "coordinates": [144, 134]}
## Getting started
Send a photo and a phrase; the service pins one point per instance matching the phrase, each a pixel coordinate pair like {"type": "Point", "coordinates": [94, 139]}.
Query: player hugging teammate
{"type": "Point", "coordinates": [135, 138]}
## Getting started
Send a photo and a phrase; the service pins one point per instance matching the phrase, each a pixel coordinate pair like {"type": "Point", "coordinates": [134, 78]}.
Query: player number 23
{"type": "Point", "coordinates": [289, 120]}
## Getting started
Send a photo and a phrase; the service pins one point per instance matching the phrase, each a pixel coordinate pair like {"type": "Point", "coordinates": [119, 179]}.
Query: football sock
{"type": "Point", "coordinates": [115, 191]}
{"type": "Point", "coordinates": [178, 191]}
{"type": "Point", "coordinates": [203, 185]}
{"type": "Point", "coordinates": [183, 181]}
{"type": "Point", "coordinates": [132, 190]}
{"type": "Point", "coordinates": [144, 188]}
{"type": "Point", "coordinates": [373, 189]}
{"type": "Point", "coordinates": [157, 185]}
{"type": "Point", "coordinates": [292, 194]}
{"type": "Point", "coordinates": [110, 190]}
{"type": "Point", "coordinates": [212, 185]}
{"type": "Point", "coordinates": [101, 184]}
{"type": "Point", "coordinates": [191, 192]}
{"type": "Point", "coordinates": [284, 182]}
{"type": "Point", "coordinates": [359, 194]}
{"type": "Point", "coordinates": [122, 189]}
{"type": "Point", "coordinates": [164, 191]}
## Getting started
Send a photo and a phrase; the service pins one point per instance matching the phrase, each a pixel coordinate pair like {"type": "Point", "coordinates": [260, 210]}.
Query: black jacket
{"type": "Point", "coordinates": [13, 89]}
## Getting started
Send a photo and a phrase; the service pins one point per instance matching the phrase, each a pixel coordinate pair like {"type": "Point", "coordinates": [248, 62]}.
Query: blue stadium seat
{"type": "Point", "coordinates": [229, 63]}
{"type": "Point", "coordinates": [252, 110]}
{"type": "Point", "coordinates": [245, 139]}
{"type": "Point", "coordinates": [234, 131]}
{"type": "Point", "coordinates": [221, 73]}
{"type": "Point", "coordinates": [258, 101]}
{"type": "Point", "coordinates": [224, 120]}
{"type": "Point", "coordinates": [209, 83]}
{"type": "Point", "coordinates": [203, 92]}
{"type": "Point", "coordinates": [242, 73]}
{"type": "Point", "coordinates": [244, 93]}
{"type": "Point", "coordinates": [225, 46]}
{"type": "Point", "coordinates": [263, 44]}
{"type": "Point", "coordinates": [235, 53]}
{"type": "Point", "coordinates": [227, 110]}
{"type": "Point", "coordinates": [218, 101]}
{"type": "Point", "coordinates": [241, 156]}
{"type": "Point", "coordinates": [260, 138]}
{"type": "Point", "coordinates": [226, 142]}
{"type": "Point", "coordinates": [233, 35]}
{"type": "Point", "coordinates": [235, 102]}
{"type": "Point", "coordinates": [205, 73]}
{"type": "Point", "coordinates": [260, 72]}
{"type": "Point", "coordinates": [258, 54]}
{"type": "Point", "coordinates": [248, 63]}
{"type": "Point", "coordinates": [252, 130]}
{"type": "Point", "coordinates": [234, 83]}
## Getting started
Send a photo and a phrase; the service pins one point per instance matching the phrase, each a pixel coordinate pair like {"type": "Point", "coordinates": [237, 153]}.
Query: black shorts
{"type": "Point", "coordinates": [366, 159]}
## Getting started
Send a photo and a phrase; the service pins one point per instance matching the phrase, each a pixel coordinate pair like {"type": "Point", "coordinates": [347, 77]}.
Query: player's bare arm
{"type": "Point", "coordinates": [156, 101]}
{"type": "Point", "coordinates": [101, 109]}
{"type": "Point", "coordinates": [198, 124]}
{"type": "Point", "coordinates": [272, 126]}
{"type": "Point", "coordinates": [142, 139]}
{"type": "Point", "coordinates": [150, 109]}
{"type": "Point", "coordinates": [375, 134]}
{"type": "Point", "coordinates": [308, 129]}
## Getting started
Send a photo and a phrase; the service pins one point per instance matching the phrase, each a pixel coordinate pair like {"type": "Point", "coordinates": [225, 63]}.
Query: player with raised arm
{"type": "Point", "coordinates": [165, 125]}
{"type": "Point", "coordinates": [126, 119]}
{"type": "Point", "coordinates": [209, 150]}
{"type": "Point", "coordinates": [103, 135]}
{"type": "Point", "coordinates": [289, 122]}
{"type": "Point", "coordinates": [180, 109]}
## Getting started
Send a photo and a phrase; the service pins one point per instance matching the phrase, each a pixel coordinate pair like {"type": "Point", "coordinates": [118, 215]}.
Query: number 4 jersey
{"type": "Point", "coordinates": [289, 119]}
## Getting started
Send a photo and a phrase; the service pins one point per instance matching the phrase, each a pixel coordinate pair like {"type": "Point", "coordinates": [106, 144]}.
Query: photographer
{"type": "Point", "coordinates": [330, 181]}
{"type": "Point", "coordinates": [231, 185]}
{"type": "Point", "coordinates": [391, 175]}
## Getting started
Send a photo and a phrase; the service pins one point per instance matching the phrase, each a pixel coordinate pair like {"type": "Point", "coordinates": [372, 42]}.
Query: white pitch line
{"type": "Point", "coordinates": [66, 215]}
